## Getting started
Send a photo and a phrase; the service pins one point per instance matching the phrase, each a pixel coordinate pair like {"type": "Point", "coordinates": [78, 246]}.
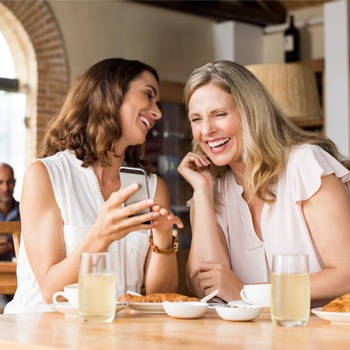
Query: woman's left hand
{"type": "Point", "coordinates": [166, 220]}
{"type": "Point", "coordinates": [216, 276]}
{"type": "Point", "coordinates": [162, 232]}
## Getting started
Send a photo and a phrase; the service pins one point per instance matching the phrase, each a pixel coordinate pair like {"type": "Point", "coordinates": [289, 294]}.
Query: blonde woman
{"type": "Point", "coordinates": [261, 187]}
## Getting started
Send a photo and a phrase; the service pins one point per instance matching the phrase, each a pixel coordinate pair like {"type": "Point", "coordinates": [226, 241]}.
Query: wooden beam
{"type": "Point", "coordinates": [298, 4]}
{"type": "Point", "coordinates": [258, 12]}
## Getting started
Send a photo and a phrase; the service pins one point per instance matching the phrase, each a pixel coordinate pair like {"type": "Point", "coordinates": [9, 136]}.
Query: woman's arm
{"type": "Point", "coordinates": [42, 229]}
{"type": "Point", "coordinates": [327, 214]}
{"type": "Point", "coordinates": [161, 274]}
{"type": "Point", "coordinates": [209, 264]}
{"type": "Point", "coordinates": [208, 259]}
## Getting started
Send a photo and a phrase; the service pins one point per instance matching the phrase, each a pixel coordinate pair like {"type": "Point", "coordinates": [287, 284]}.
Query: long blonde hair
{"type": "Point", "coordinates": [268, 135]}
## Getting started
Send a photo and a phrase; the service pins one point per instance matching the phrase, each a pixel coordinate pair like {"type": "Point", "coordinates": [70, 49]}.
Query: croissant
{"type": "Point", "coordinates": [156, 298]}
{"type": "Point", "coordinates": [340, 304]}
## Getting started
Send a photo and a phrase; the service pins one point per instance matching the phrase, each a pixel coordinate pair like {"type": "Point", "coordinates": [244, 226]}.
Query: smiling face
{"type": "Point", "coordinates": [139, 110]}
{"type": "Point", "coordinates": [216, 124]}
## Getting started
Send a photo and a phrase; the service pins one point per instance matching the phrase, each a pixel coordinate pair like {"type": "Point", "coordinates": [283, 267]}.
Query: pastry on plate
{"type": "Point", "coordinates": [156, 298]}
{"type": "Point", "coordinates": [340, 304]}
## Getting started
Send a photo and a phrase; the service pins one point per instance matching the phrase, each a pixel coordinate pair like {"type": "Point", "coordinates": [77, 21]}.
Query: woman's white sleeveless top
{"type": "Point", "coordinates": [78, 195]}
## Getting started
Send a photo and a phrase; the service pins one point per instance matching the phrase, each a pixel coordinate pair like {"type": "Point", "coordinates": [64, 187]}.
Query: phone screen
{"type": "Point", "coordinates": [129, 176]}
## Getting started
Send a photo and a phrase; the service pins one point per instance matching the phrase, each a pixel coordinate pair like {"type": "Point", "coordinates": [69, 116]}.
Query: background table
{"type": "Point", "coordinates": [131, 330]}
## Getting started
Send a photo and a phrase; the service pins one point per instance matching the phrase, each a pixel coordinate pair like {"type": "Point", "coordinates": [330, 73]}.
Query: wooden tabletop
{"type": "Point", "coordinates": [132, 330]}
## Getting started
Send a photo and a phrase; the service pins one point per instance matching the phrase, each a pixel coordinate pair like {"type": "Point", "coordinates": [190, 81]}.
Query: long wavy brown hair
{"type": "Point", "coordinates": [268, 135]}
{"type": "Point", "coordinates": [89, 121]}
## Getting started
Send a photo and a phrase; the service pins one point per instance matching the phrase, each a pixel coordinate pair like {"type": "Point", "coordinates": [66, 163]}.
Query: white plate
{"type": "Point", "coordinates": [154, 308]}
{"type": "Point", "coordinates": [67, 309]}
{"type": "Point", "coordinates": [333, 317]}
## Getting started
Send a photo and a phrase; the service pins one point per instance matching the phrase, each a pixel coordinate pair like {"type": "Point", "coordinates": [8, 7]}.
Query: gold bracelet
{"type": "Point", "coordinates": [173, 249]}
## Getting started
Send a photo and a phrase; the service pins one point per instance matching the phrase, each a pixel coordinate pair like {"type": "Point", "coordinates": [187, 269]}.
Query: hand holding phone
{"type": "Point", "coordinates": [131, 175]}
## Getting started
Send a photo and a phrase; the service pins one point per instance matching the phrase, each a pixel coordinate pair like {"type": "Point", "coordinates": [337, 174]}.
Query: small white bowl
{"type": "Point", "coordinates": [238, 311]}
{"type": "Point", "coordinates": [186, 309]}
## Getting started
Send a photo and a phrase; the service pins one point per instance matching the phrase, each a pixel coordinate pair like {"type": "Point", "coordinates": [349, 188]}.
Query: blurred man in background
{"type": "Point", "coordinates": [9, 208]}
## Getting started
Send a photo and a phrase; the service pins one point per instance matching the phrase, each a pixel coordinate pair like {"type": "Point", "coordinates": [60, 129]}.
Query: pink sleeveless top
{"type": "Point", "coordinates": [283, 225]}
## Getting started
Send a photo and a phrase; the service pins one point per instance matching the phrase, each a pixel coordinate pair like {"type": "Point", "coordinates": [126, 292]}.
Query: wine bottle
{"type": "Point", "coordinates": [291, 42]}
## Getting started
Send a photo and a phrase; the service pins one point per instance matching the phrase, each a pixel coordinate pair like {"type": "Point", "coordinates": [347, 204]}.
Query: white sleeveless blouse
{"type": "Point", "coordinates": [79, 198]}
{"type": "Point", "coordinates": [283, 225]}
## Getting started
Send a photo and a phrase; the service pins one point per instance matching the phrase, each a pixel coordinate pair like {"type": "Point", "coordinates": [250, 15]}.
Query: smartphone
{"type": "Point", "coordinates": [129, 176]}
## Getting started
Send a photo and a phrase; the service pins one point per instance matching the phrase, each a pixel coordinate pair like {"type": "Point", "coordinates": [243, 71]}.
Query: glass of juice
{"type": "Point", "coordinates": [290, 290]}
{"type": "Point", "coordinates": [97, 287]}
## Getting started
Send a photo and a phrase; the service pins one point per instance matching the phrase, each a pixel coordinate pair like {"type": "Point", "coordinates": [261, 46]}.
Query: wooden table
{"type": "Point", "coordinates": [132, 330]}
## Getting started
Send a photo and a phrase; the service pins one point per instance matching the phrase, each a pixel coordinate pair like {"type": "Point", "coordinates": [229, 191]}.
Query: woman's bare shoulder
{"type": "Point", "coordinates": [37, 182]}
{"type": "Point", "coordinates": [36, 172]}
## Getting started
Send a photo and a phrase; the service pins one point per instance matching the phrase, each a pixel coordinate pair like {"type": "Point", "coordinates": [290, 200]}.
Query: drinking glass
{"type": "Point", "coordinates": [290, 290]}
{"type": "Point", "coordinates": [97, 287]}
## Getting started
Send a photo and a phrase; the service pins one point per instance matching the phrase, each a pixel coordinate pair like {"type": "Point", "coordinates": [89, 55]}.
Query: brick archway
{"type": "Point", "coordinates": [40, 58]}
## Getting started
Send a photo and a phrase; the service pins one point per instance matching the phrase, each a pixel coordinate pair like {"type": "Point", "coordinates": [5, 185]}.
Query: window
{"type": "Point", "coordinates": [12, 116]}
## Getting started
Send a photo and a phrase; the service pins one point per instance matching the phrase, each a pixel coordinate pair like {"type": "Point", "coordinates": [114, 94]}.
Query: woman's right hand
{"type": "Point", "coordinates": [213, 276]}
{"type": "Point", "coordinates": [115, 221]}
{"type": "Point", "coordinates": [194, 169]}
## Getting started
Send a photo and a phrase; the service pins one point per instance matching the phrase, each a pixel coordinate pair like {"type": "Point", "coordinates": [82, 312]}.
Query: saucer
{"type": "Point", "coordinates": [67, 309]}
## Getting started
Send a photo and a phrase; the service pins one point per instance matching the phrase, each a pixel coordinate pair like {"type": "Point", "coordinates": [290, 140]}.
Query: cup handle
{"type": "Point", "coordinates": [58, 294]}
{"type": "Point", "coordinates": [244, 297]}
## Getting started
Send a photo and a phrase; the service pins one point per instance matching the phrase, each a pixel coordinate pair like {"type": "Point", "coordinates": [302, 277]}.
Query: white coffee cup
{"type": "Point", "coordinates": [70, 292]}
{"type": "Point", "coordinates": [257, 294]}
